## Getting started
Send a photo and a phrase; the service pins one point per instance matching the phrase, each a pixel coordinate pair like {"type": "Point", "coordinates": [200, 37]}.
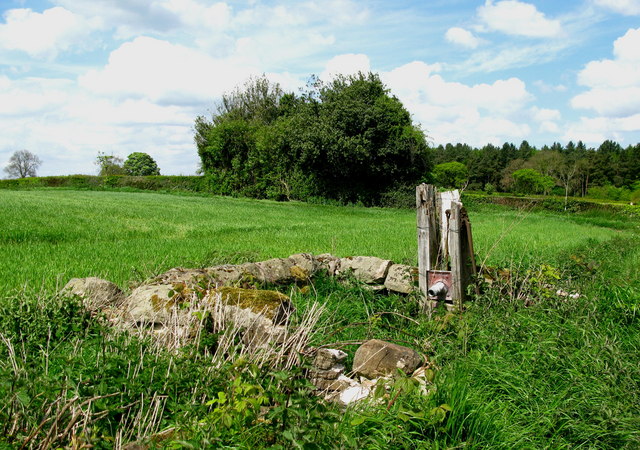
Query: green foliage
{"type": "Point", "coordinates": [347, 140]}
{"type": "Point", "coordinates": [451, 175]}
{"type": "Point", "coordinates": [109, 165]}
{"type": "Point", "coordinates": [610, 192]}
{"type": "Point", "coordinates": [489, 188]}
{"type": "Point", "coordinates": [176, 183]}
{"type": "Point", "coordinates": [530, 181]}
{"type": "Point", "coordinates": [140, 164]}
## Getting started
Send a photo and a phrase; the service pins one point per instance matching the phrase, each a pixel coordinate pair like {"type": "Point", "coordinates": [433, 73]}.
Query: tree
{"type": "Point", "coordinates": [348, 140]}
{"type": "Point", "coordinates": [530, 181]}
{"type": "Point", "coordinates": [356, 139]}
{"type": "Point", "coordinates": [22, 164]}
{"type": "Point", "coordinates": [109, 164]}
{"type": "Point", "coordinates": [451, 175]}
{"type": "Point", "coordinates": [140, 164]}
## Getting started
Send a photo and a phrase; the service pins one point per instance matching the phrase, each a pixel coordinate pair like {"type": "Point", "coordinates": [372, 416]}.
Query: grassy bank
{"type": "Point", "coordinates": [526, 366]}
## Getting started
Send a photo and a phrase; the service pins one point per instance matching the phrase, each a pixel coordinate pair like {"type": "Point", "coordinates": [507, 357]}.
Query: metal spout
{"type": "Point", "coordinates": [438, 290]}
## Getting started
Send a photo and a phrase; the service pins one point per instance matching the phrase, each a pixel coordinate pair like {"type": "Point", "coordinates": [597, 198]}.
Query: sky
{"type": "Point", "coordinates": [79, 77]}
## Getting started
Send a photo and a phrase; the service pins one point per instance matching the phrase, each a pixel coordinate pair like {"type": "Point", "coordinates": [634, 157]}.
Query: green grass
{"type": "Point", "coordinates": [50, 236]}
{"type": "Point", "coordinates": [522, 367]}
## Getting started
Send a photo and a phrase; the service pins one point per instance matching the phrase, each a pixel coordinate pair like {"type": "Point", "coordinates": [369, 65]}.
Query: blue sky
{"type": "Point", "coordinates": [78, 77]}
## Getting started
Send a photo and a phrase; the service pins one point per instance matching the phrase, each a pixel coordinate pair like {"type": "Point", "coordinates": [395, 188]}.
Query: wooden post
{"type": "Point", "coordinates": [428, 236]}
{"type": "Point", "coordinates": [455, 254]}
{"type": "Point", "coordinates": [445, 247]}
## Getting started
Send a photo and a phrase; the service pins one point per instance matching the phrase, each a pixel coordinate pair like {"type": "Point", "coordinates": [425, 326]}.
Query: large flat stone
{"type": "Point", "coordinates": [368, 269]}
{"type": "Point", "coordinates": [377, 358]}
{"type": "Point", "coordinates": [401, 278]}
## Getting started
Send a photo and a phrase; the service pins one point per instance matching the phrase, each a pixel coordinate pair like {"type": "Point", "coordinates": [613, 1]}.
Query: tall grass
{"type": "Point", "coordinates": [523, 367]}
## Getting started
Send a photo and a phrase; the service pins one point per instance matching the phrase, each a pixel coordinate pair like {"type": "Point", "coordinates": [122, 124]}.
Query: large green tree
{"type": "Point", "coordinates": [140, 164]}
{"type": "Point", "coordinates": [530, 181]}
{"type": "Point", "coordinates": [348, 139]}
{"type": "Point", "coordinates": [451, 175]}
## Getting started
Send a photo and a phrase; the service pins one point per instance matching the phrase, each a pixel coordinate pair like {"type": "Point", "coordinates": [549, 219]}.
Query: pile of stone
{"type": "Point", "coordinates": [158, 306]}
{"type": "Point", "coordinates": [375, 362]}
{"type": "Point", "coordinates": [153, 304]}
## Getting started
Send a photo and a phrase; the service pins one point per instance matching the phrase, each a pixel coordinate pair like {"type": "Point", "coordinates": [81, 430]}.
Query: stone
{"type": "Point", "coordinates": [328, 263]}
{"type": "Point", "coordinates": [262, 335]}
{"type": "Point", "coordinates": [150, 304]}
{"type": "Point", "coordinates": [305, 262]}
{"type": "Point", "coordinates": [330, 374]}
{"type": "Point", "coordinates": [339, 384]}
{"type": "Point", "coordinates": [271, 304]}
{"type": "Point", "coordinates": [186, 277]}
{"type": "Point", "coordinates": [368, 269]}
{"type": "Point", "coordinates": [377, 358]}
{"type": "Point", "coordinates": [96, 293]}
{"type": "Point", "coordinates": [326, 358]}
{"type": "Point", "coordinates": [226, 274]}
{"type": "Point", "coordinates": [401, 278]}
{"type": "Point", "coordinates": [353, 394]}
{"type": "Point", "coordinates": [275, 271]}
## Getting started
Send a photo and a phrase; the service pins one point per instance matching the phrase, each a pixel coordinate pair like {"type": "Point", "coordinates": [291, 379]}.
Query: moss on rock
{"type": "Point", "coordinates": [272, 304]}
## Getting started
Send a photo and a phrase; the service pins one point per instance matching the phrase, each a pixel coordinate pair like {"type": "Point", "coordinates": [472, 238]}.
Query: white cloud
{"type": "Point", "coordinates": [597, 129]}
{"type": "Point", "coordinates": [349, 64]}
{"type": "Point", "coordinates": [517, 18]}
{"type": "Point", "coordinates": [462, 37]}
{"type": "Point", "coordinates": [544, 114]}
{"type": "Point", "coordinates": [627, 47]}
{"type": "Point", "coordinates": [32, 96]}
{"type": "Point", "coordinates": [128, 17]}
{"type": "Point", "coordinates": [613, 93]}
{"type": "Point", "coordinates": [43, 35]}
{"type": "Point", "coordinates": [165, 73]}
{"type": "Point", "coordinates": [546, 118]}
{"type": "Point", "coordinates": [456, 112]}
{"type": "Point", "coordinates": [609, 102]}
{"type": "Point", "coordinates": [549, 88]}
{"type": "Point", "coordinates": [626, 7]}
{"type": "Point", "coordinates": [613, 84]}
{"type": "Point", "coordinates": [509, 57]}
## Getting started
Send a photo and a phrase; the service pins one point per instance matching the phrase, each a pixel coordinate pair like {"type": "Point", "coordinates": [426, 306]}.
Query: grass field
{"type": "Point", "coordinates": [522, 367]}
{"type": "Point", "coordinates": [50, 236]}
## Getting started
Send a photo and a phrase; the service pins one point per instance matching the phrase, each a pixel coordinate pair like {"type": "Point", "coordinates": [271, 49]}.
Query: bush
{"type": "Point", "coordinates": [610, 192]}
{"type": "Point", "coordinates": [451, 175]}
{"type": "Point", "coordinates": [489, 188]}
{"type": "Point", "coordinates": [153, 183]}
{"type": "Point", "coordinates": [400, 197]}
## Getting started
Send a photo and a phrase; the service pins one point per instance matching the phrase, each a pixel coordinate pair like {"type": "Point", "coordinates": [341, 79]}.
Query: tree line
{"type": "Point", "coordinates": [352, 141]}
{"type": "Point", "coordinates": [608, 171]}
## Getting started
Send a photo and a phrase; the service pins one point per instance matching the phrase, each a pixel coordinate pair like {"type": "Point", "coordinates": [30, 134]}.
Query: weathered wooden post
{"type": "Point", "coordinates": [428, 235]}
{"type": "Point", "coordinates": [445, 248]}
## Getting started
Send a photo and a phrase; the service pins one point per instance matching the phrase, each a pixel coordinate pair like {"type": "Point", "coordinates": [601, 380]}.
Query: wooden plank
{"type": "Point", "coordinates": [469, 258]}
{"type": "Point", "coordinates": [428, 235]}
{"type": "Point", "coordinates": [444, 202]}
{"type": "Point", "coordinates": [455, 255]}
